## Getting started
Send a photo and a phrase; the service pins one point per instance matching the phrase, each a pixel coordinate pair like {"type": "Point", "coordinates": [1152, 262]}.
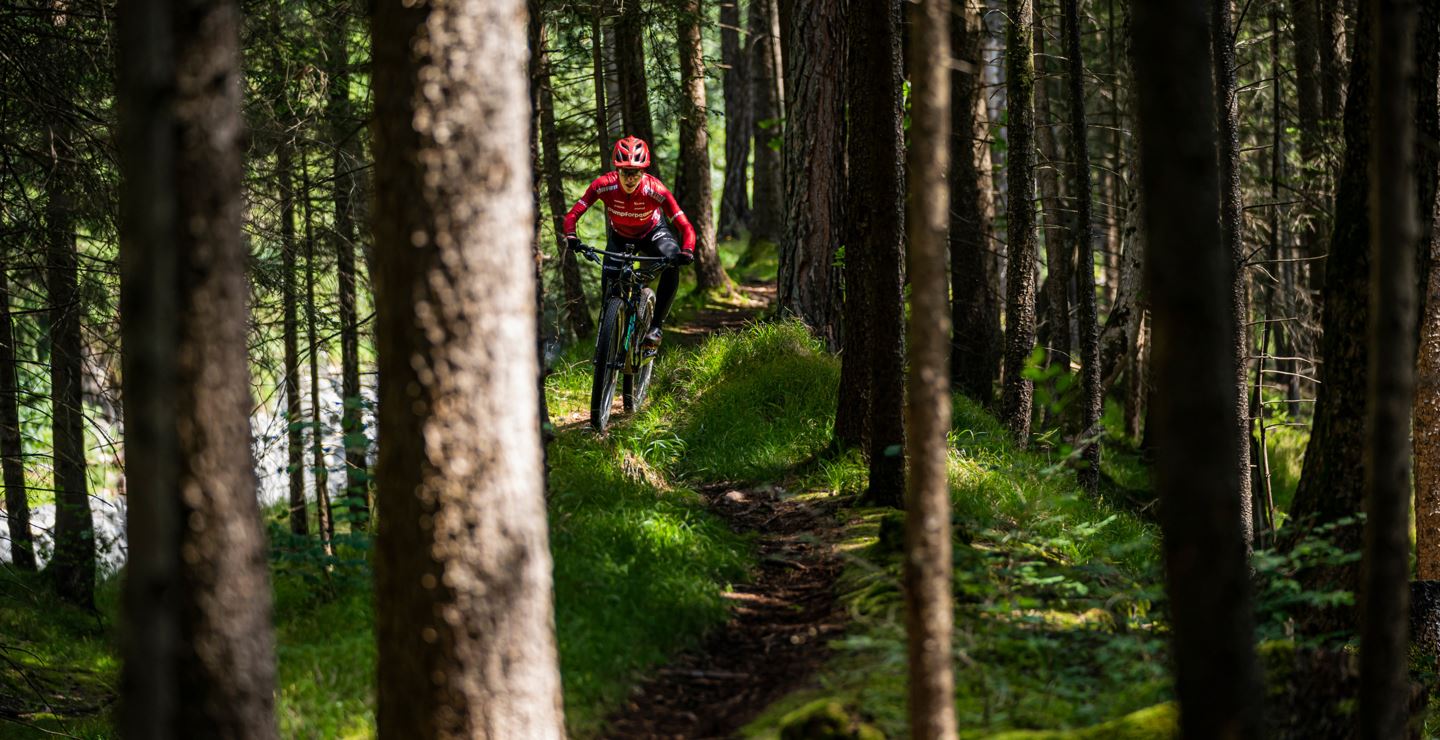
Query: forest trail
{"type": "Point", "coordinates": [778, 631]}
{"type": "Point", "coordinates": [755, 299]}
{"type": "Point", "coordinates": [780, 622]}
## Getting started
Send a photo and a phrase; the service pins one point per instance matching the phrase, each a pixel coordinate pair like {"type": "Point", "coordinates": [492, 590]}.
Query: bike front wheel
{"type": "Point", "coordinates": [607, 363]}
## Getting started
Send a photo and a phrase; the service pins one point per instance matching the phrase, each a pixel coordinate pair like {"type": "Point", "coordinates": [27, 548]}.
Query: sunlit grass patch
{"type": "Point", "coordinates": [639, 563]}
{"type": "Point", "coordinates": [752, 405]}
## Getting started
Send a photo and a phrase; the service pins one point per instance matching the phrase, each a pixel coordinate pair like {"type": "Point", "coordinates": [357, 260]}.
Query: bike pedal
{"type": "Point", "coordinates": [649, 352]}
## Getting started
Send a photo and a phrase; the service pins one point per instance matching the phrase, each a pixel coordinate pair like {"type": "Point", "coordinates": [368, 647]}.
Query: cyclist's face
{"type": "Point", "coordinates": [630, 178]}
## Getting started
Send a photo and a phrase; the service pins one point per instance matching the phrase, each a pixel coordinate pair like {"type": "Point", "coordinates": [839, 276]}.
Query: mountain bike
{"type": "Point", "coordinates": [625, 315]}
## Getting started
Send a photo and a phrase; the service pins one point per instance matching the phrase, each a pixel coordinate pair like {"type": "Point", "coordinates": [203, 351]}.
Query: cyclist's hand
{"type": "Point", "coordinates": [573, 243]}
{"type": "Point", "coordinates": [684, 258]}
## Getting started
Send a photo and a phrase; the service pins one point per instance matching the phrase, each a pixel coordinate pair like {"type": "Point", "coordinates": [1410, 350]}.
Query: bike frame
{"type": "Point", "coordinates": [626, 277]}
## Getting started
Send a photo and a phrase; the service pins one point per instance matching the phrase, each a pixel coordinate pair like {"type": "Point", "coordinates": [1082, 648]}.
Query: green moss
{"type": "Point", "coordinates": [1152, 723]}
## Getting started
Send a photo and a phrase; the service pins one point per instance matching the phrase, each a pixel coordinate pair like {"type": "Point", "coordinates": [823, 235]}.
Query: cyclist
{"type": "Point", "coordinates": [633, 204]}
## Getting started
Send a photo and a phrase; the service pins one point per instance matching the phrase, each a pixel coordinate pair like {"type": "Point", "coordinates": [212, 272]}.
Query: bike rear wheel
{"type": "Point", "coordinates": [638, 384]}
{"type": "Point", "coordinates": [607, 363]}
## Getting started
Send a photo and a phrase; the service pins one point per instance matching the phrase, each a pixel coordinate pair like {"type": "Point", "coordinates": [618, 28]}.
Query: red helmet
{"type": "Point", "coordinates": [631, 152]}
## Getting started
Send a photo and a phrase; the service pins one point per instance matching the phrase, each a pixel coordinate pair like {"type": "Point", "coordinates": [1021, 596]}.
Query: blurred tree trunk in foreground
{"type": "Point", "coordinates": [199, 650]}
{"type": "Point", "coordinates": [929, 608]}
{"type": "Point", "coordinates": [1217, 681]}
{"type": "Point", "coordinates": [1394, 237]}
{"type": "Point", "coordinates": [464, 620]}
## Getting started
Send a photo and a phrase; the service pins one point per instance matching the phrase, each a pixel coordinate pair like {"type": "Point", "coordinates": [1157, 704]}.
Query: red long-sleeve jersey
{"type": "Point", "coordinates": [634, 214]}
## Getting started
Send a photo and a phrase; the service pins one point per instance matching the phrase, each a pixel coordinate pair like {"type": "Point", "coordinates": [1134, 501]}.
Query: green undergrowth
{"type": "Point", "coordinates": [639, 562]}
{"type": "Point", "coordinates": [58, 670]}
{"type": "Point", "coordinates": [1057, 594]}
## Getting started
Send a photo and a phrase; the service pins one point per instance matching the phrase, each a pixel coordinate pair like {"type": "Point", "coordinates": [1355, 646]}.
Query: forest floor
{"type": "Point", "coordinates": [778, 634]}
{"type": "Point", "coordinates": [716, 575]}
{"type": "Point", "coordinates": [781, 620]}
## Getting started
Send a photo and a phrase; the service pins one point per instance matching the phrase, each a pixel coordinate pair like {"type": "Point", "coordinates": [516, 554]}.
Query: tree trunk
{"type": "Point", "coordinates": [535, 38]}
{"type": "Point", "coordinates": [1231, 208]}
{"type": "Point", "coordinates": [464, 624]}
{"type": "Point", "coordinates": [1018, 396]}
{"type": "Point", "coordinates": [344, 188]}
{"type": "Point", "coordinates": [695, 191]}
{"type": "Point", "coordinates": [577, 308]}
{"type": "Point", "coordinates": [294, 427]}
{"type": "Point", "coordinates": [630, 71]}
{"type": "Point", "coordinates": [150, 329]}
{"type": "Point", "coordinates": [1059, 259]}
{"type": "Point", "coordinates": [73, 564]}
{"type": "Point", "coordinates": [536, 41]}
{"type": "Point", "coordinates": [200, 653]}
{"type": "Point", "coordinates": [814, 168]}
{"type": "Point", "coordinates": [768, 203]}
{"type": "Point", "coordinates": [928, 605]}
{"type": "Point", "coordinates": [1427, 388]}
{"type": "Point", "coordinates": [1308, 101]}
{"type": "Point", "coordinates": [870, 411]}
{"type": "Point", "coordinates": [602, 103]}
{"type": "Point", "coordinates": [1394, 236]}
{"type": "Point", "coordinates": [317, 430]}
{"type": "Point", "coordinates": [973, 311]}
{"type": "Point", "coordinates": [1333, 58]}
{"type": "Point", "coordinates": [1331, 483]}
{"type": "Point", "coordinates": [739, 123]}
{"type": "Point", "coordinates": [1089, 334]}
{"type": "Point", "coordinates": [12, 446]}
{"type": "Point", "coordinates": [1207, 577]}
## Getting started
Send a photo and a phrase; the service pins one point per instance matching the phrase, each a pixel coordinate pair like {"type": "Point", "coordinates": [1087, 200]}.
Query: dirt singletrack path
{"type": "Point", "coordinates": [780, 624]}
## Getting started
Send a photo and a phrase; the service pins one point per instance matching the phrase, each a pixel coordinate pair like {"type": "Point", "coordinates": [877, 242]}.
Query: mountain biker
{"type": "Point", "coordinates": [633, 204]}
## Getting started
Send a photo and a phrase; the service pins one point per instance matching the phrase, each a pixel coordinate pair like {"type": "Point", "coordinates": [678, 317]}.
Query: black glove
{"type": "Point", "coordinates": [573, 243]}
{"type": "Point", "coordinates": [684, 258]}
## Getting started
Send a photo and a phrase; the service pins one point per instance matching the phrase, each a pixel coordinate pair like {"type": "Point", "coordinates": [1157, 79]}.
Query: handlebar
{"type": "Point", "coordinates": [594, 255]}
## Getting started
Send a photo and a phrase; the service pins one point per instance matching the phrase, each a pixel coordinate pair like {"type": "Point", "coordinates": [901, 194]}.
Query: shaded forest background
{"type": "Point", "coordinates": [783, 127]}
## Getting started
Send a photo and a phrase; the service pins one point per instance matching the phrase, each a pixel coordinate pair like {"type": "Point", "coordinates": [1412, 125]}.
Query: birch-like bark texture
{"type": "Point", "coordinates": [929, 615]}
{"type": "Point", "coordinates": [464, 618]}
{"type": "Point", "coordinates": [1394, 236]}
{"type": "Point", "coordinates": [1017, 398]}
{"type": "Point", "coordinates": [1207, 576]}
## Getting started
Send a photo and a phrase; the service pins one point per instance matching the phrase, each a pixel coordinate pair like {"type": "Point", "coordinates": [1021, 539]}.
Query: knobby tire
{"type": "Point", "coordinates": [607, 358]}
